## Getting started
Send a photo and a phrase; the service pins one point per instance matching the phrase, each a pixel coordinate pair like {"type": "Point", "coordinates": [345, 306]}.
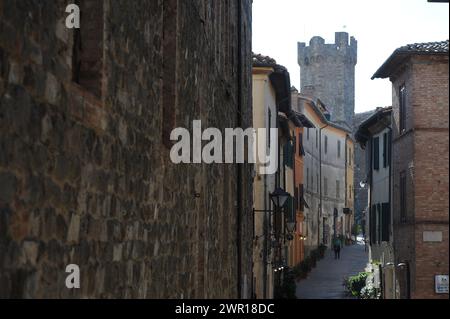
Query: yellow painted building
{"type": "Point", "coordinates": [350, 192]}
{"type": "Point", "coordinates": [264, 116]}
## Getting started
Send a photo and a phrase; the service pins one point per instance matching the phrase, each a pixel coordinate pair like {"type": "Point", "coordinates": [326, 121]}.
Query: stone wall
{"type": "Point", "coordinates": [88, 180]}
{"type": "Point", "coordinates": [327, 72]}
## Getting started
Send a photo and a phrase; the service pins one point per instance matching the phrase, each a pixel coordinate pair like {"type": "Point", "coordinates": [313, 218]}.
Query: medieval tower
{"type": "Point", "coordinates": [327, 71]}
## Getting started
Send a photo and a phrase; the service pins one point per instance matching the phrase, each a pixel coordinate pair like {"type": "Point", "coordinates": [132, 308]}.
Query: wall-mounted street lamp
{"type": "Point", "coordinates": [278, 198]}
{"type": "Point", "coordinates": [290, 226]}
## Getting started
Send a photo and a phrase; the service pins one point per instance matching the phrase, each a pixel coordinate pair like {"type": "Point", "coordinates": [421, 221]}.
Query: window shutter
{"type": "Point", "coordinates": [379, 221]}
{"type": "Point", "coordinates": [269, 126]}
{"type": "Point", "coordinates": [372, 224]}
{"type": "Point", "coordinates": [301, 194]}
{"type": "Point", "coordinates": [376, 153]}
{"type": "Point", "coordinates": [288, 154]}
{"type": "Point", "coordinates": [385, 149]}
{"type": "Point", "coordinates": [300, 144]}
{"type": "Point", "coordinates": [290, 209]}
{"type": "Point", "coordinates": [386, 218]}
{"type": "Point", "coordinates": [389, 147]}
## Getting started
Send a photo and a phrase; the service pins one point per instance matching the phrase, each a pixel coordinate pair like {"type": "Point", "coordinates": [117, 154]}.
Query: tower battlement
{"type": "Point", "coordinates": [317, 48]}
{"type": "Point", "coordinates": [328, 71]}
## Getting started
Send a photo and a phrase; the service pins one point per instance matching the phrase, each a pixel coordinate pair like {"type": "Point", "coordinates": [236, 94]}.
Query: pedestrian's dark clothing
{"type": "Point", "coordinates": [337, 248]}
{"type": "Point", "coordinates": [337, 252]}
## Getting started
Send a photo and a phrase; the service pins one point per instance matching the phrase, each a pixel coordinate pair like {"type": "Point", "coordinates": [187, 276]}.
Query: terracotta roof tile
{"type": "Point", "coordinates": [262, 60]}
{"type": "Point", "coordinates": [427, 47]}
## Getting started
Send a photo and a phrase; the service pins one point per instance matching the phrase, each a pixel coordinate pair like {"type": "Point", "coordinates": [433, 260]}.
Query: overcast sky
{"type": "Point", "coordinates": [379, 27]}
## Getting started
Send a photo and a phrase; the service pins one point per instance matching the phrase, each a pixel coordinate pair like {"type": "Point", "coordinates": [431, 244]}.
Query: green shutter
{"type": "Point", "coordinates": [386, 222]}
{"type": "Point", "coordinates": [288, 155]}
{"type": "Point", "coordinates": [376, 153]}
{"type": "Point", "coordinates": [290, 209]}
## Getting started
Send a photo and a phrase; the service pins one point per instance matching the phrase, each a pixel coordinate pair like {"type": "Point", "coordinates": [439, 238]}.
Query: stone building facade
{"type": "Point", "coordinates": [327, 71]}
{"type": "Point", "coordinates": [325, 170]}
{"type": "Point", "coordinates": [374, 135]}
{"type": "Point", "coordinates": [85, 173]}
{"type": "Point", "coordinates": [419, 76]}
{"type": "Point", "coordinates": [360, 173]}
{"type": "Point", "coordinates": [349, 216]}
{"type": "Point", "coordinates": [264, 116]}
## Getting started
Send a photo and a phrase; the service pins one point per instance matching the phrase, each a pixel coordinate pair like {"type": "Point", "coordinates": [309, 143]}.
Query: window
{"type": "Point", "coordinates": [403, 212]}
{"type": "Point", "coordinates": [389, 142]}
{"type": "Point", "coordinates": [379, 223]}
{"type": "Point", "coordinates": [339, 149]}
{"type": "Point", "coordinates": [350, 192]}
{"type": "Point", "coordinates": [87, 56]}
{"type": "Point", "coordinates": [376, 153]}
{"type": "Point", "coordinates": [338, 189]}
{"type": "Point", "coordinates": [307, 133]}
{"type": "Point", "coordinates": [317, 180]}
{"type": "Point", "coordinates": [326, 144]}
{"type": "Point", "coordinates": [386, 222]}
{"type": "Point", "coordinates": [402, 109]}
{"type": "Point", "coordinates": [294, 146]}
{"type": "Point", "coordinates": [300, 196]}
{"type": "Point", "coordinates": [350, 156]}
{"type": "Point", "coordinates": [385, 150]}
{"type": "Point", "coordinates": [169, 70]}
{"type": "Point", "coordinates": [372, 224]}
{"type": "Point", "coordinates": [325, 186]}
{"type": "Point", "coordinates": [288, 154]}
{"type": "Point", "coordinates": [301, 150]}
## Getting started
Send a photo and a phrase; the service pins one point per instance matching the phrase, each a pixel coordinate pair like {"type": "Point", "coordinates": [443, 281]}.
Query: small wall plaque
{"type": "Point", "coordinates": [441, 284]}
{"type": "Point", "coordinates": [432, 236]}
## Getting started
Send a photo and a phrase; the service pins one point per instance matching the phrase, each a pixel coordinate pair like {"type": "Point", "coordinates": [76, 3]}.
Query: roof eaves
{"type": "Point", "coordinates": [429, 48]}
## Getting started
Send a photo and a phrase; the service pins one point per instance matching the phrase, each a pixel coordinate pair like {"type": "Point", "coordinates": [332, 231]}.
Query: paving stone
{"type": "Point", "coordinates": [326, 280]}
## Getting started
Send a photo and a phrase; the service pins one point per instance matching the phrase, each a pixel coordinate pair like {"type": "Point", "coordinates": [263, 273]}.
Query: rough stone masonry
{"type": "Point", "coordinates": [85, 174]}
{"type": "Point", "coordinates": [328, 72]}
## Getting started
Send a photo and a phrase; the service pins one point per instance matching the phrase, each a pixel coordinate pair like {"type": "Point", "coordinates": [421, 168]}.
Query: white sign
{"type": "Point", "coordinates": [432, 236]}
{"type": "Point", "coordinates": [441, 283]}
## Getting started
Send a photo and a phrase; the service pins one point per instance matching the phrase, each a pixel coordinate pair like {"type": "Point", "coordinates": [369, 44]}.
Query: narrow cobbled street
{"type": "Point", "coordinates": [326, 280]}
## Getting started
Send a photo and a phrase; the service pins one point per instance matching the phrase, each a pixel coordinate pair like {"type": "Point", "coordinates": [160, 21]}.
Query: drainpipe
{"type": "Point", "coordinates": [239, 166]}
{"type": "Point", "coordinates": [320, 185]}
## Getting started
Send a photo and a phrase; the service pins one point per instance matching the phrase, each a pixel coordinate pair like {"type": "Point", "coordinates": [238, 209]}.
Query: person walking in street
{"type": "Point", "coordinates": [337, 248]}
